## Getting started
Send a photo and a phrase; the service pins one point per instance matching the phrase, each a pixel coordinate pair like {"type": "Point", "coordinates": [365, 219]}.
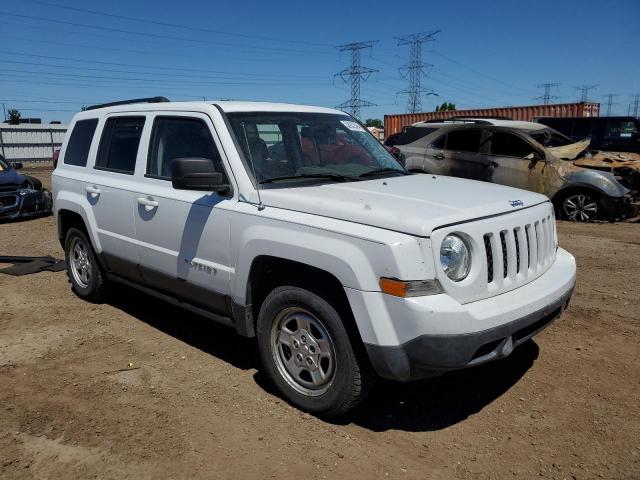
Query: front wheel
{"type": "Point", "coordinates": [307, 354]}
{"type": "Point", "coordinates": [580, 206]}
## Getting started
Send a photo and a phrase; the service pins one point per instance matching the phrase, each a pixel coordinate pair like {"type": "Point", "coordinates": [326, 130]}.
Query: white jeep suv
{"type": "Point", "coordinates": [293, 224]}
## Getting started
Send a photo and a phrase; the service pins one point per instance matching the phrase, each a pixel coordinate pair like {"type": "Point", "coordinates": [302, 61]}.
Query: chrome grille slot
{"type": "Point", "coordinates": [505, 258]}
{"type": "Point", "coordinates": [516, 231]}
{"type": "Point", "coordinates": [527, 234]}
{"type": "Point", "coordinates": [489, 253]}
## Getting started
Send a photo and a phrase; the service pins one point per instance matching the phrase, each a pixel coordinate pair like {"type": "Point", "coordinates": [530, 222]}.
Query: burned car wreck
{"type": "Point", "coordinates": [584, 185]}
{"type": "Point", "coordinates": [21, 196]}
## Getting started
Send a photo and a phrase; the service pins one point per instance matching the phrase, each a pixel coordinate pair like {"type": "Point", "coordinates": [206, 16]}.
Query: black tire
{"type": "Point", "coordinates": [579, 206]}
{"type": "Point", "coordinates": [95, 288]}
{"type": "Point", "coordinates": [351, 378]}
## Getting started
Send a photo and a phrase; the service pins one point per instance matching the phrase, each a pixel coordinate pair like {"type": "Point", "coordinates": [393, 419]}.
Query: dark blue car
{"type": "Point", "coordinates": [21, 196]}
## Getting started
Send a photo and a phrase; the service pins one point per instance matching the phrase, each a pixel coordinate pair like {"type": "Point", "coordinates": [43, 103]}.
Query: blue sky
{"type": "Point", "coordinates": [53, 59]}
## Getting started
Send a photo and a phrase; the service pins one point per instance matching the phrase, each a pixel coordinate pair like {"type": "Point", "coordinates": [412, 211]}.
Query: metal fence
{"type": "Point", "coordinates": [30, 142]}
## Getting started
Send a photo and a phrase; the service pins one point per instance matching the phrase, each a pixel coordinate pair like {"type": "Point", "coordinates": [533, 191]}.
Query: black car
{"type": "Point", "coordinates": [21, 196]}
{"type": "Point", "coordinates": [614, 134]}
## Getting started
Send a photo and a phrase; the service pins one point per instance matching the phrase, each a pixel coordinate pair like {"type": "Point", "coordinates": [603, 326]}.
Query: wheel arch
{"type": "Point", "coordinates": [268, 272]}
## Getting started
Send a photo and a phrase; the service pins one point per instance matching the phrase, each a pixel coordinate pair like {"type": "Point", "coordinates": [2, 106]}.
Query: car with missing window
{"type": "Point", "coordinates": [21, 196]}
{"type": "Point", "coordinates": [294, 225]}
{"type": "Point", "coordinates": [582, 184]}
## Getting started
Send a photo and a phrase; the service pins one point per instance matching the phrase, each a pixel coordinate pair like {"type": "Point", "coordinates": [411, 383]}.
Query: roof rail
{"type": "Point", "coordinates": [127, 102]}
{"type": "Point", "coordinates": [459, 120]}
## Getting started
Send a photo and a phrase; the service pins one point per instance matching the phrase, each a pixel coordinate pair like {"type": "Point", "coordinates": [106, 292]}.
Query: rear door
{"type": "Point", "coordinates": [183, 236]}
{"type": "Point", "coordinates": [517, 163]}
{"type": "Point", "coordinates": [110, 193]}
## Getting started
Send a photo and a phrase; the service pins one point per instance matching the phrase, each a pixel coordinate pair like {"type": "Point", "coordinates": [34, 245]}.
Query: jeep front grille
{"type": "Point", "coordinates": [504, 253]}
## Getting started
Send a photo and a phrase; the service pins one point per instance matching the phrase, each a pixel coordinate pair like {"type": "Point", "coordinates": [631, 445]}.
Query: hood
{"type": "Point", "coordinates": [571, 151]}
{"type": "Point", "coordinates": [412, 204]}
{"type": "Point", "coordinates": [10, 178]}
{"type": "Point", "coordinates": [610, 160]}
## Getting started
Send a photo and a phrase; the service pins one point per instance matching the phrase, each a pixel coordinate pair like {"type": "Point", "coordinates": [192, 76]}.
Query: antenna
{"type": "Point", "coordinates": [253, 167]}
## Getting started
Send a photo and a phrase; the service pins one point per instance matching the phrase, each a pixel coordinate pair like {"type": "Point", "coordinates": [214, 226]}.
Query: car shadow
{"type": "Point", "coordinates": [199, 332]}
{"type": "Point", "coordinates": [440, 402]}
{"type": "Point", "coordinates": [421, 406]}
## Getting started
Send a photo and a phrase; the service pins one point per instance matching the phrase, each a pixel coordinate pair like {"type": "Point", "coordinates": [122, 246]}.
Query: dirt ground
{"type": "Point", "coordinates": [139, 389]}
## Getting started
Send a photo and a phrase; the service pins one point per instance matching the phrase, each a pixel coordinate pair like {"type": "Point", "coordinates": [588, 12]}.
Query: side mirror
{"type": "Point", "coordinates": [17, 165]}
{"type": "Point", "coordinates": [197, 174]}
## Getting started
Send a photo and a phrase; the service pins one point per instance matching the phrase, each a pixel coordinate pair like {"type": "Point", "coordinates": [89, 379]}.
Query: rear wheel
{"type": "Point", "coordinates": [306, 352]}
{"type": "Point", "coordinates": [580, 206]}
{"type": "Point", "coordinates": [85, 273]}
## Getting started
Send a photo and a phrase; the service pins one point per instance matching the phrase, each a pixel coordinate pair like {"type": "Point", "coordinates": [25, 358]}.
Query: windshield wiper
{"type": "Point", "coordinates": [383, 170]}
{"type": "Point", "coordinates": [329, 176]}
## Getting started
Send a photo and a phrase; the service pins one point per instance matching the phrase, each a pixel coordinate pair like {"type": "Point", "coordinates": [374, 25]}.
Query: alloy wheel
{"type": "Point", "coordinates": [303, 351]}
{"type": "Point", "coordinates": [580, 207]}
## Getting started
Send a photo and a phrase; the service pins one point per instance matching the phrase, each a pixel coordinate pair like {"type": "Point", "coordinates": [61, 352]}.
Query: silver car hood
{"type": "Point", "coordinates": [413, 204]}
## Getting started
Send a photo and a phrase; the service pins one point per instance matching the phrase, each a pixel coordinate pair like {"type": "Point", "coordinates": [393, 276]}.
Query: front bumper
{"type": "Point", "coordinates": [436, 334]}
{"type": "Point", "coordinates": [14, 206]}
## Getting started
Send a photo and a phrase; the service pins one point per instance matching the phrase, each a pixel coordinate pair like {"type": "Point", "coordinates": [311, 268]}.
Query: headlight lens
{"type": "Point", "coordinates": [26, 191]}
{"type": "Point", "coordinates": [455, 257]}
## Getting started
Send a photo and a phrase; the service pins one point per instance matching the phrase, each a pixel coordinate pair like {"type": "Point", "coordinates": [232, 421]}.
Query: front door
{"type": "Point", "coordinates": [183, 236]}
{"type": "Point", "coordinates": [517, 163]}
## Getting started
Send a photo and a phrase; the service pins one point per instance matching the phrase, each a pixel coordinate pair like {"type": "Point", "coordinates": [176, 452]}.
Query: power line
{"type": "Point", "coordinates": [175, 25]}
{"type": "Point", "coordinates": [415, 69]}
{"type": "Point", "coordinates": [167, 37]}
{"type": "Point", "coordinates": [477, 72]}
{"type": "Point", "coordinates": [166, 73]}
{"type": "Point", "coordinates": [546, 97]}
{"type": "Point", "coordinates": [584, 92]}
{"type": "Point", "coordinates": [610, 102]}
{"type": "Point", "coordinates": [354, 75]}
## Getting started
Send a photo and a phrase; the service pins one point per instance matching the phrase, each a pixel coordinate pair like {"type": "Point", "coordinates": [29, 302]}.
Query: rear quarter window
{"type": "Point", "coordinates": [79, 142]}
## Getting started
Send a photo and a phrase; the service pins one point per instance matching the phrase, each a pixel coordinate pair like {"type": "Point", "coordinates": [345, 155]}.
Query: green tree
{"type": "Point", "coordinates": [445, 106]}
{"type": "Point", "coordinates": [373, 122]}
{"type": "Point", "coordinates": [13, 116]}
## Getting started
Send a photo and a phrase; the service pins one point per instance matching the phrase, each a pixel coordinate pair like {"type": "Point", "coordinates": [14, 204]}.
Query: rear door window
{"type": "Point", "coordinates": [464, 140]}
{"type": "Point", "coordinates": [509, 145]}
{"type": "Point", "coordinates": [119, 144]}
{"type": "Point", "coordinates": [79, 143]}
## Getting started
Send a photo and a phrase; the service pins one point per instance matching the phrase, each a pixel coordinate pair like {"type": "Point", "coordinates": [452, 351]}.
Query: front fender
{"type": "Point", "coordinates": [325, 252]}
{"type": "Point", "coordinates": [604, 183]}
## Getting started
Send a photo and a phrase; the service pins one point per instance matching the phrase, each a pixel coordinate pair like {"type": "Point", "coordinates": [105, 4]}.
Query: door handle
{"type": "Point", "coordinates": [148, 203]}
{"type": "Point", "coordinates": [93, 191]}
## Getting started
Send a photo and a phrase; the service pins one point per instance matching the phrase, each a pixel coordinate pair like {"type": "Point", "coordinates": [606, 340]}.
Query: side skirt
{"type": "Point", "coordinates": [175, 301]}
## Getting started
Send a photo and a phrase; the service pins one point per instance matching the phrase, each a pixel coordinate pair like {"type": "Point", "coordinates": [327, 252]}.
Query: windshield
{"type": "Point", "coordinates": [312, 146]}
{"type": "Point", "coordinates": [551, 138]}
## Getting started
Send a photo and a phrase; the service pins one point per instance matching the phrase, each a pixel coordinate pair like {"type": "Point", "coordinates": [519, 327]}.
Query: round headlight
{"type": "Point", "coordinates": [455, 257]}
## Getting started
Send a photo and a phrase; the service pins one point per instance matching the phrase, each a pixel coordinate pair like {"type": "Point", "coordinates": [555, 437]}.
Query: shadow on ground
{"type": "Point", "coordinates": [199, 332]}
{"type": "Point", "coordinates": [426, 405]}
{"type": "Point", "coordinates": [441, 402]}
